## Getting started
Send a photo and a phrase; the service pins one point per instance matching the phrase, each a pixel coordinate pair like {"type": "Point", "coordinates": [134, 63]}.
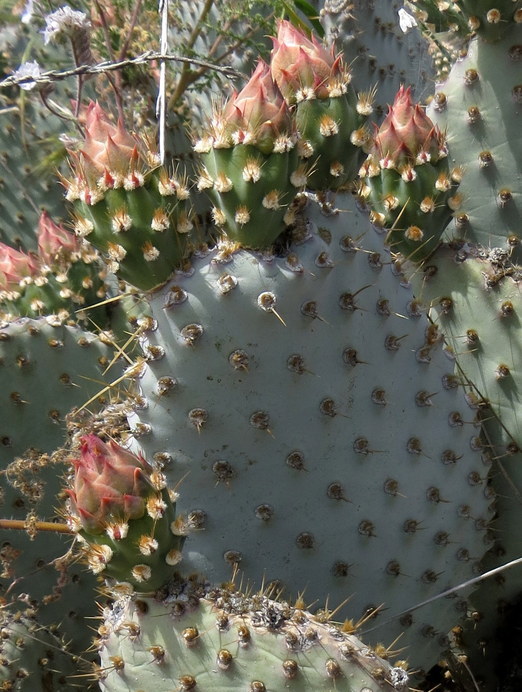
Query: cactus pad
{"type": "Point", "coordinates": [232, 642]}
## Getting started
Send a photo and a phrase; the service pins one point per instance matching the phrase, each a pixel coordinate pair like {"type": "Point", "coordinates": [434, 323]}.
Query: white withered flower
{"type": "Point", "coordinates": [65, 20]}
{"type": "Point", "coordinates": [406, 20]}
{"type": "Point", "coordinates": [28, 69]}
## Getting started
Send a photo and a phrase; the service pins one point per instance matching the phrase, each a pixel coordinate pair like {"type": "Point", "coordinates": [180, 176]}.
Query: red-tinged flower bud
{"type": "Point", "coordinates": [124, 516]}
{"type": "Point", "coordinates": [258, 114]}
{"type": "Point", "coordinates": [15, 266]}
{"type": "Point", "coordinates": [407, 135]}
{"type": "Point", "coordinates": [304, 68]}
{"type": "Point", "coordinates": [110, 485]}
{"type": "Point", "coordinates": [54, 241]}
{"type": "Point", "coordinates": [108, 149]}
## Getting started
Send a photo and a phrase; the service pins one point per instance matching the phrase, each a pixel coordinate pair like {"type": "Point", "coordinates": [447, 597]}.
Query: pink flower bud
{"type": "Point", "coordinates": [110, 485]}
{"type": "Point", "coordinates": [258, 114]}
{"type": "Point", "coordinates": [15, 266]}
{"type": "Point", "coordinates": [54, 242]}
{"type": "Point", "coordinates": [304, 68]}
{"type": "Point", "coordinates": [407, 134]}
{"type": "Point", "coordinates": [107, 147]}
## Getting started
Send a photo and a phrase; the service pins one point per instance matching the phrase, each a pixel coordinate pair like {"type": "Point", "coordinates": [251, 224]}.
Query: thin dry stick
{"type": "Point", "coordinates": [20, 525]}
{"type": "Point", "coordinates": [116, 82]}
{"type": "Point", "coordinates": [454, 589]}
{"type": "Point", "coordinates": [123, 52]}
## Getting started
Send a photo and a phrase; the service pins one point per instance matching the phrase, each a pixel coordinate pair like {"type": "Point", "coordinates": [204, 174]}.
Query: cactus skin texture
{"type": "Point", "coordinates": [231, 642]}
{"type": "Point", "coordinates": [32, 658]}
{"type": "Point", "coordinates": [325, 442]}
{"type": "Point", "coordinates": [47, 372]}
{"type": "Point", "coordinates": [124, 515]}
{"type": "Point", "coordinates": [480, 107]}
{"type": "Point", "coordinates": [328, 115]}
{"type": "Point", "coordinates": [406, 180]}
{"type": "Point", "coordinates": [383, 57]}
{"type": "Point", "coordinates": [288, 421]}
{"type": "Point", "coordinates": [476, 304]}
{"type": "Point", "coordinates": [130, 208]}
{"type": "Point", "coordinates": [489, 19]}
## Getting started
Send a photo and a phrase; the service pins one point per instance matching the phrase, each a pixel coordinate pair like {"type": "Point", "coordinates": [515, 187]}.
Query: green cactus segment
{"type": "Point", "coordinates": [145, 556]}
{"type": "Point", "coordinates": [250, 167]}
{"type": "Point", "coordinates": [490, 19]}
{"type": "Point", "coordinates": [440, 18]}
{"type": "Point", "coordinates": [250, 191]}
{"type": "Point", "coordinates": [415, 211]}
{"type": "Point", "coordinates": [329, 116]}
{"type": "Point", "coordinates": [479, 107]}
{"type": "Point", "coordinates": [406, 180]}
{"type": "Point", "coordinates": [476, 303]}
{"type": "Point", "coordinates": [326, 127]}
{"type": "Point", "coordinates": [46, 372]}
{"type": "Point", "coordinates": [143, 232]}
{"type": "Point", "coordinates": [234, 643]}
{"type": "Point", "coordinates": [32, 658]}
{"type": "Point", "coordinates": [124, 515]}
{"type": "Point", "coordinates": [25, 188]}
{"type": "Point", "coordinates": [65, 291]}
{"type": "Point", "coordinates": [307, 393]}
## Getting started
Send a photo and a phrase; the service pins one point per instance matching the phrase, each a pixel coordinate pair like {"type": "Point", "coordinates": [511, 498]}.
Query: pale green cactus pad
{"type": "Point", "coordinates": [480, 108]}
{"type": "Point", "coordinates": [379, 52]}
{"type": "Point", "coordinates": [230, 642]}
{"type": "Point", "coordinates": [46, 372]}
{"type": "Point", "coordinates": [307, 405]}
{"type": "Point", "coordinates": [476, 303]}
{"type": "Point", "coordinates": [32, 658]}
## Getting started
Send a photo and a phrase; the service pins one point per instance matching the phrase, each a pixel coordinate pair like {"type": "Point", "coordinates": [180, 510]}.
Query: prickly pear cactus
{"type": "Point", "coordinates": [47, 371]}
{"type": "Point", "coordinates": [250, 166]}
{"type": "Point", "coordinates": [124, 516]}
{"type": "Point", "coordinates": [474, 299]}
{"type": "Point", "coordinates": [63, 279]}
{"type": "Point", "coordinates": [302, 394]}
{"type": "Point", "coordinates": [25, 189]}
{"type": "Point", "coordinates": [475, 302]}
{"type": "Point", "coordinates": [383, 56]}
{"type": "Point", "coordinates": [31, 656]}
{"type": "Point", "coordinates": [228, 641]}
{"type": "Point", "coordinates": [328, 114]}
{"type": "Point", "coordinates": [132, 210]}
{"type": "Point", "coordinates": [479, 107]}
{"type": "Point", "coordinates": [406, 180]}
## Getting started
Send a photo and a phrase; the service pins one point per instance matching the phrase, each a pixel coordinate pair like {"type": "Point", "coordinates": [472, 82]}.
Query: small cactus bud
{"type": "Point", "coordinates": [304, 69]}
{"type": "Point", "coordinates": [120, 506]}
{"type": "Point", "coordinates": [54, 241]}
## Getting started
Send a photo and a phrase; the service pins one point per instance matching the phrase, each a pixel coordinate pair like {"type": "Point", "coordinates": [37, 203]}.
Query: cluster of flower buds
{"type": "Point", "coordinates": [60, 277]}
